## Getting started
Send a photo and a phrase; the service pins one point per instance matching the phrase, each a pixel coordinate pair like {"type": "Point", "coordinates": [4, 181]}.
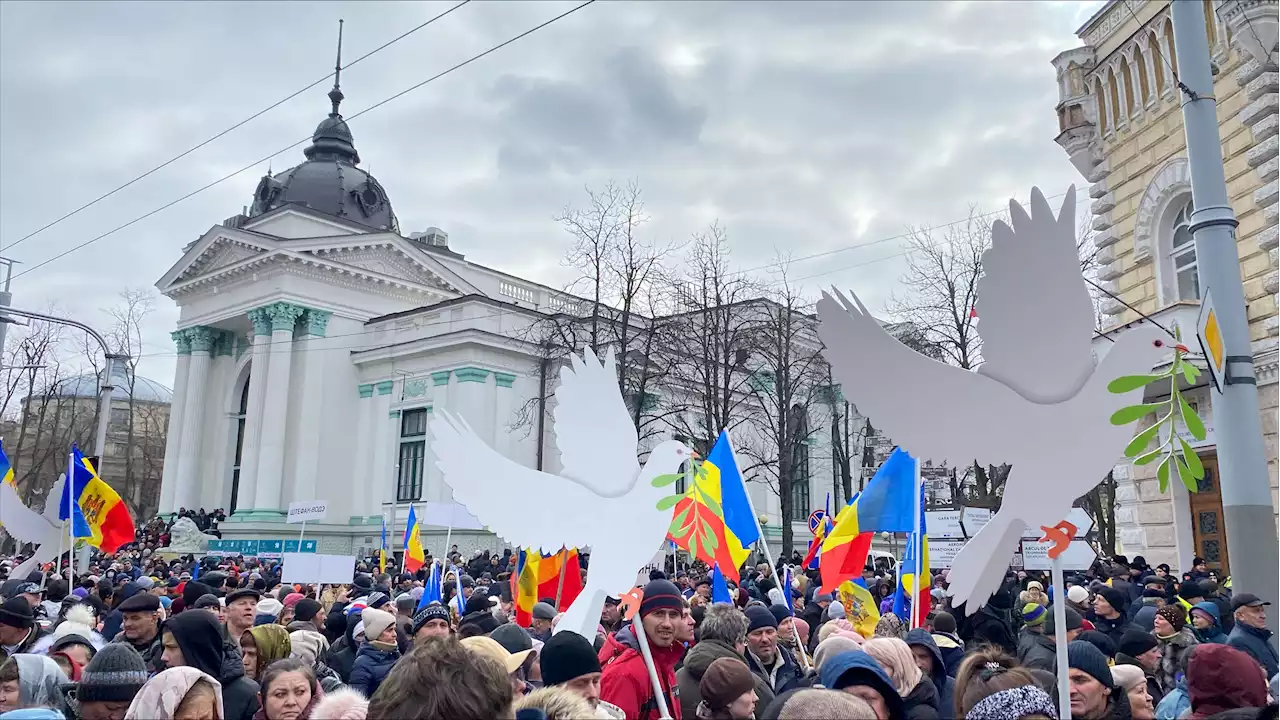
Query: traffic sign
{"type": "Point", "coordinates": [1209, 333]}
{"type": "Point", "coordinates": [815, 520]}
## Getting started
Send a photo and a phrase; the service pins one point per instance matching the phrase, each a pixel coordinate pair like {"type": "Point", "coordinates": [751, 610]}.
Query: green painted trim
{"type": "Point", "coordinates": [440, 378]}
{"type": "Point", "coordinates": [182, 339]}
{"type": "Point", "coordinates": [366, 390]}
{"type": "Point", "coordinates": [314, 322]}
{"type": "Point", "coordinates": [373, 520]}
{"type": "Point", "coordinates": [504, 379]}
{"type": "Point", "coordinates": [202, 338]}
{"type": "Point", "coordinates": [265, 515]}
{"type": "Point", "coordinates": [384, 387]}
{"type": "Point", "coordinates": [355, 519]}
{"type": "Point", "coordinates": [261, 321]}
{"type": "Point", "coordinates": [471, 374]}
{"type": "Point", "coordinates": [394, 414]}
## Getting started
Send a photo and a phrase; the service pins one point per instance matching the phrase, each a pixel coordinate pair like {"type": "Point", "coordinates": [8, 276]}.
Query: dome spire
{"type": "Point", "coordinates": [335, 95]}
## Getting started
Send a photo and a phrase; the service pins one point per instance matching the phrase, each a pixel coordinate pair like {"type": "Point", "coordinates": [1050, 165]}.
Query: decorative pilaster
{"type": "Point", "coordinates": [307, 461]}
{"type": "Point", "coordinates": [366, 430]}
{"type": "Point", "coordinates": [173, 444]}
{"type": "Point", "coordinates": [275, 411]}
{"type": "Point", "coordinates": [187, 481]}
{"type": "Point", "coordinates": [384, 434]}
{"type": "Point", "coordinates": [314, 322]}
{"type": "Point", "coordinates": [502, 411]}
{"type": "Point", "coordinates": [472, 402]}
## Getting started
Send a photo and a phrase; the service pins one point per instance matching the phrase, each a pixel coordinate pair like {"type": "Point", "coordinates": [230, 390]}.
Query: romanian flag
{"type": "Point", "coordinates": [6, 469]}
{"type": "Point", "coordinates": [917, 547]}
{"type": "Point", "coordinates": [526, 586]}
{"type": "Point", "coordinates": [720, 479]}
{"type": "Point", "coordinates": [887, 504]}
{"type": "Point", "coordinates": [414, 556]}
{"type": "Point", "coordinates": [382, 548]}
{"type": "Point", "coordinates": [94, 508]}
{"type": "Point", "coordinates": [538, 576]}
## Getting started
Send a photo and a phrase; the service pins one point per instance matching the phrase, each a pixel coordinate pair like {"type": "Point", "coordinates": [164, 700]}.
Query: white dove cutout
{"type": "Point", "coordinates": [44, 530]}
{"type": "Point", "coordinates": [603, 498]}
{"type": "Point", "coordinates": [1037, 402]}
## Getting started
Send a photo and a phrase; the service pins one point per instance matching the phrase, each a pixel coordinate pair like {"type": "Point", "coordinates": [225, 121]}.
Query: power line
{"type": "Point", "coordinates": [258, 162]}
{"type": "Point", "coordinates": [240, 124]}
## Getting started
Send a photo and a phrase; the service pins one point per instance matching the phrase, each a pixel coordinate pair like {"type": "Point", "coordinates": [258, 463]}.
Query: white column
{"type": "Point", "coordinates": [382, 438]}
{"type": "Point", "coordinates": [365, 433]}
{"type": "Point", "coordinates": [439, 401]}
{"type": "Point", "coordinates": [187, 490]}
{"type": "Point", "coordinates": [469, 400]}
{"type": "Point", "coordinates": [502, 411]}
{"type": "Point", "coordinates": [307, 462]}
{"type": "Point", "coordinates": [173, 435]}
{"type": "Point", "coordinates": [275, 412]}
{"type": "Point", "coordinates": [258, 365]}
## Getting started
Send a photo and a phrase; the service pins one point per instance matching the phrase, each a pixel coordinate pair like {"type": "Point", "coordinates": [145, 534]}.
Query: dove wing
{"type": "Point", "coordinates": [1034, 311]}
{"type": "Point", "coordinates": [593, 427]}
{"type": "Point", "coordinates": [23, 523]}
{"type": "Point", "coordinates": [51, 501]}
{"type": "Point", "coordinates": [483, 481]}
{"type": "Point", "coordinates": [935, 411]}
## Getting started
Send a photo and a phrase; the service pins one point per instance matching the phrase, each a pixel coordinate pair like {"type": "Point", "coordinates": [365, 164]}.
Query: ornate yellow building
{"type": "Point", "coordinates": [1121, 124]}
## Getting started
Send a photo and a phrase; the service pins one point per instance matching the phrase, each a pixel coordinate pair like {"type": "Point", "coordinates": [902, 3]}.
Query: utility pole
{"type": "Point", "coordinates": [6, 298]}
{"type": "Point", "coordinates": [1243, 478]}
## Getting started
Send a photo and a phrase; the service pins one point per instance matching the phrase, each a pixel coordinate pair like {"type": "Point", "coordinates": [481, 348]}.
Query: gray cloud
{"type": "Point", "coordinates": [805, 127]}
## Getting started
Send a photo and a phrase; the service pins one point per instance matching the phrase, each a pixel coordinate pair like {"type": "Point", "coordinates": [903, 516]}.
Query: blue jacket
{"type": "Point", "coordinates": [945, 684]}
{"type": "Point", "coordinates": [855, 667]}
{"type": "Point", "coordinates": [371, 667]}
{"type": "Point", "coordinates": [1213, 633]}
{"type": "Point", "coordinates": [1175, 703]}
{"type": "Point", "coordinates": [1257, 643]}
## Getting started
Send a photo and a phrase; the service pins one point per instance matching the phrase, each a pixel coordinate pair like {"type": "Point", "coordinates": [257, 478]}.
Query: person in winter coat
{"type": "Point", "coordinates": [29, 681]}
{"type": "Point", "coordinates": [993, 623]}
{"type": "Point", "coordinates": [920, 699]}
{"type": "Point", "coordinates": [949, 643]}
{"type": "Point", "coordinates": [857, 673]}
{"type": "Point", "coordinates": [1207, 623]}
{"type": "Point", "coordinates": [625, 679]}
{"type": "Point", "coordinates": [1250, 634]}
{"type": "Point", "coordinates": [1176, 643]}
{"type": "Point", "coordinates": [1108, 617]}
{"type": "Point", "coordinates": [1035, 647]}
{"type": "Point", "coordinates": [194, 639]}
{"type": "Point", "coordinates": [342, 654]}
{"type": "Point", "coordinates": [262, 645]}
{"type": "Point", "coordinates": [1221, 678]}
{"type": "Point", "coordinates": [179, 692]}
{"type": "Point", "coordinates": [18, 627]}
{"type": "Point", "coordinates": [1176, 701]}
{"type": "Point", "coordinates": [929, 659]}
{"type": "Point", "coordinates": [310, 647]}
{"type": "Point", "coordinates": [1142, 650]}
{"type": "Point", "coordinates": [724, 635]}
{"type": "Point", "coordinates": [378, 653]}
{"type": "Point", "coordinates": [768, 660]}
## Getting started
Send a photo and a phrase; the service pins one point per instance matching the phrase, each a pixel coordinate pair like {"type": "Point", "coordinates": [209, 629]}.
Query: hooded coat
{"type": "Point", "coordinates": [858, 668]}
{"type": "Point", "coordinates": [952, 649]}
{"type": "Point", "coordinates": [625, 683]}
{"type": "Point", "coordinates": [993, 623]}
{"type": "Point", "coordinates": [373, 664]}
{"type": "Point", "coordinates": [1213, 633]}
{"type": "Point", "coordinates": [942, 682]}
{"type": "Point", "coordinates": [1036, 650]}
{"type": "Point", "coordinates": [1174, 651]}
{"type": "Point", "coordinates": [1220, 677]}
{"type": "Point", "coordinates": [38, 681]}
{"type": "Point", "coordinates": [696, 662]}
{"type": "Point", "coordinates": [200, 638]}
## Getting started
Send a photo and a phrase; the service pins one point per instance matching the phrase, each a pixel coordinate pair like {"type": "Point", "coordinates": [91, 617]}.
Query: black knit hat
{"type": "Point", "coordinates": [115, 674]}
{"type": "Point", "coordinates": [434, 611]}
{"type": "Point", "coordinates": [306, 609]}
{"type": "Point", "coordinates": [1089, 659]}
{"type": "Point", "coordinates": [16, 612]}
{"type": "Point", "coordinates": [660, 594]}
{"type": "Point", "coordinates": [758, 618]}
{"type": "Point", "coordinates": [1135, 642]}
{"type": "Point", "coordinates": [1114, 598]}
{"type": "Point", "coordinates": [567, 655]}
{"type": "Point", "coordinates": [1074, 621]}
{"type": "Point", "coordinates": [192, 592]}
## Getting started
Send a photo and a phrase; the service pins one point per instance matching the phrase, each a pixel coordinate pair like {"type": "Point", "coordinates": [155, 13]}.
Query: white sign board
{"type": "Point", "coordinates": [320, 569]}
{"type": "Point", "coordinates": [450, 514]}
{"type": "Point", "coordinates": [1077, 517]}
{"type": "Point", "coordinates": [1079, 555]}
{"type": "Point", "coordinates": [942, 552]}
{"type": "Point", "coordinates": [307, 511]}
{"type": "Point", "coordinates": [947, 523]}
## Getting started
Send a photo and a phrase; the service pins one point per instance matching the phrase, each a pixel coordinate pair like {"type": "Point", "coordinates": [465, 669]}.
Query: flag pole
{"type": "Point", "coordinates": [764, 541]}
{"type": "Point", "coordinates": [1060, 638]}
{"type": "Point", "coordinates": [67, 487]}
{"type": "Point", "coordinates": [918, 584]}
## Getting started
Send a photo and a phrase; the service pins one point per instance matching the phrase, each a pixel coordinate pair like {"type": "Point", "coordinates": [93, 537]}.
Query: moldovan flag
{"type": "Point", "coordinates": [96, 510]}
{"type": "Point", "coordinates": [885, 505]}
{"type": "Point", "coordinates": [414, 556]}
{"type": "Point", "coordinates": [721, 480]}
{"type": "Point", "coordinates": [6, 468]}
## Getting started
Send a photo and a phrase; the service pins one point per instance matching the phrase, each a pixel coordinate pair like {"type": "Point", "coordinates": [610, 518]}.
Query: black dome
{"type": "Point", "coordinates": [329, 180]}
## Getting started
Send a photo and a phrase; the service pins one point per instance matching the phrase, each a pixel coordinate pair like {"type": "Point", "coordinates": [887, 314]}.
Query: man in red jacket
{"type": "Point", "coordinates": [625, 680]}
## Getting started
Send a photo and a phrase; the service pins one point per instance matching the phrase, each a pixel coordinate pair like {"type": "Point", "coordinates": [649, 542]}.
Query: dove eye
{"type": "Point", "coordinates": [1158, 343]}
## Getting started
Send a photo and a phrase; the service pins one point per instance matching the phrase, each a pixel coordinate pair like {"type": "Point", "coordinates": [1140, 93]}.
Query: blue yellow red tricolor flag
{"type": "Point", "coordinates": [6, 468]}
{"type": "Point", "coordinates": [94, 508]}
{"type": "Point", "coordinates": [537, 577]}
{"type": "Point", "coordinates": [887, 504]}
{"type": "Point", "coordinates": [414, 556]}
{"type": "Point", "coordinates": [382, 548]}
{"type": "Point", "coordinates": [903, 599]}
{"type": "Point", "coordinates": [735, 528]}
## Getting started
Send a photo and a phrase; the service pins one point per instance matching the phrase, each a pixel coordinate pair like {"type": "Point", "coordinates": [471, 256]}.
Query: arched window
{"type": "Point", "coordinates": [1182, 257]}
{"type": "Point", "coordinates": [1130, 106]}
{"type": "Point", "coordinates": [1104, 121]}
{"type": "Point", "coordinates": [1117, 112]}
{"type": "Point", "coordinates": [242, 411]}
{"type": "Point", "coordinates": [1170, 55]}
{"type": "Point", "coordinates": [1144, 88]}
{"type": "Point", "coordinates": [1157, 65]}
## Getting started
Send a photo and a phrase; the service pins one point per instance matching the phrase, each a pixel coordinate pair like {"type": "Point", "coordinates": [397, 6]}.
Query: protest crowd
{"type": "Point", "coordinates": [140, 636]}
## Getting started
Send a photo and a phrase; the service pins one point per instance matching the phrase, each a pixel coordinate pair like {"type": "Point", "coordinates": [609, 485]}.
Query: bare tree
{"type": "Point", "coordinates": [787, 350]}
{"type": "Point", "coordinates": [125, 337]}
{"type": "Point", "coordinates": [716, 332]}
{"type": "Point", "coordinates": [1100, 504]}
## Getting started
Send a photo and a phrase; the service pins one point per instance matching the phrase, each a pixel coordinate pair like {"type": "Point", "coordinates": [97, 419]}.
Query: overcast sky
{"type": "Point", "coordinates": [804, 126]}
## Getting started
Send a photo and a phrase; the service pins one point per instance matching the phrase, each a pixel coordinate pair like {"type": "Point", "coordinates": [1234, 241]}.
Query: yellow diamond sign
{"type": "Point", "coordinates": [1209, 332]}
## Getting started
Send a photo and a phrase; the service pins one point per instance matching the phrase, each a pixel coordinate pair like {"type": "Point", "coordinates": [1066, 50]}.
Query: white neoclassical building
{"type": "Point", "coordinates": [314, 342]}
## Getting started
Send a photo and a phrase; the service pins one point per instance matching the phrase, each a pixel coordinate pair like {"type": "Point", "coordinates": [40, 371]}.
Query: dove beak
{"type": "Point", "coordinates": [694, 454]}
{"type": "Point", "coordinates": [1181, 348]}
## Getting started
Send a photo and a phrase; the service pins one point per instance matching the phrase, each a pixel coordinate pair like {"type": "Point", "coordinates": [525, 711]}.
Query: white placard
{"type": "Point", "coordinates": [1079, 555]}
{"type": "Point", "coordinates": [1077, 517]}
{"type": "Point", "coordinates": [307, 511]}
{"type": "Point", "coordinates": [942, 552]}
{"type": "Point", "coordinates": [975, 519]}
{"type": "Point", "coordinates": [942, 524]}
{"type": "Point", "coordinates": [315, 568]}
{"type": "Point", "coordinates": [450, 514]}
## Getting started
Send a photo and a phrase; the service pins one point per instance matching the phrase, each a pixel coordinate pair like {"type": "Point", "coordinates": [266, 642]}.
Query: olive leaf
{"type": "Point", "coordinates": [669, 502]}
{"type": "Point", "coordinates": [1193, 461]}
{"type": "Point", "coordinates": [665, 480]}
{"type": "Point", "coordinates": [1190, 419]}
{"type": "Point", "coordinates": [1125, 383]}
{"type": "Point", "coordinates": [1141, 440]}
{"type": "Point", "coordinates": [1126, 415]}
{"type": "Point", "coordinates": [1162, 474]}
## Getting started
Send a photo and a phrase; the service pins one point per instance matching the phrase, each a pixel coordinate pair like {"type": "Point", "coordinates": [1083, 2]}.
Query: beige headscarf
{"type": "Point", "coordinates": [160, 697]}
{"type": "Point", "coordinates": [895, 657]}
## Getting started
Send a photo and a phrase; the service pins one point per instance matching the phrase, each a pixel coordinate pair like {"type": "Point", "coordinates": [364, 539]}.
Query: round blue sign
{"type": "Point", "coordinates": [815, 520]}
